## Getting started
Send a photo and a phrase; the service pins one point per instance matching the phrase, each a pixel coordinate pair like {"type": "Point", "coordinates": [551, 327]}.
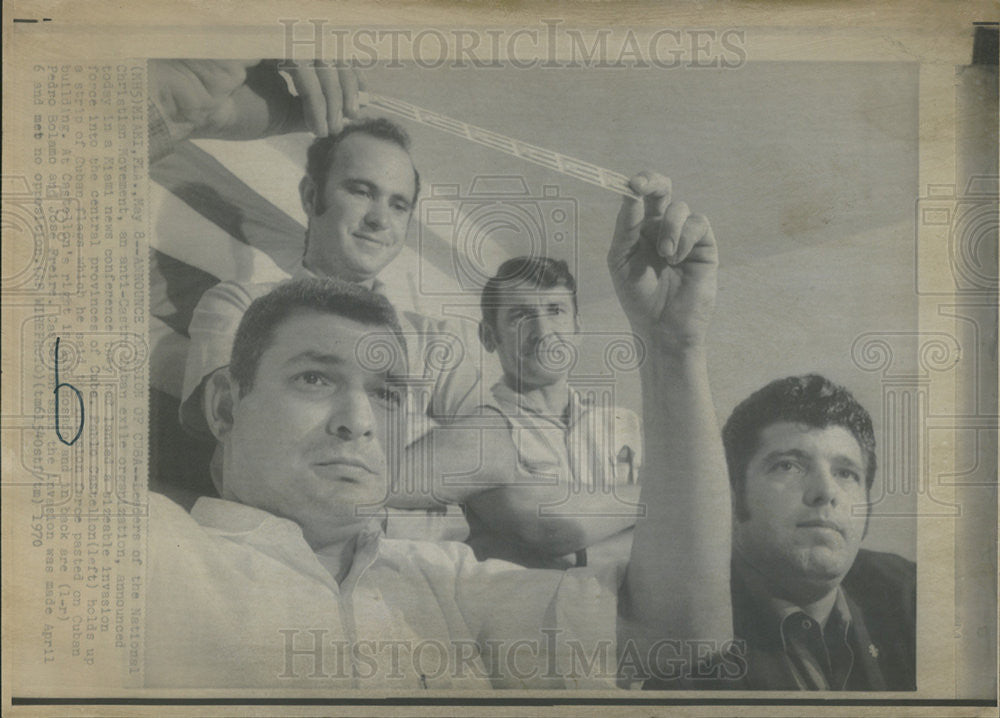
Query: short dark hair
{"type": "Point", "coordinates": [321, 153]}
{"type": "Point", "coordinates": [317, 294]}
{"type": "Point", "coordinates": [812, 400]}
{"type": "Point", "coordinates": [530, 272]}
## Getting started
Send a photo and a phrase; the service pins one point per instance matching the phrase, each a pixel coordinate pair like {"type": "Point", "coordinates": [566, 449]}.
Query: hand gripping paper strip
{"type": "Point", "coordinates": [563, 164]}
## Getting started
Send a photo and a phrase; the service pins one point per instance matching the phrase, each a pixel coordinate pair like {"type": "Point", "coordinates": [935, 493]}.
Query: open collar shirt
{"type": "Point", "coordinates": [237, 598]}
{"type": "Point", "coordinates": [593, 441]}
{"type": "Point", "coordinates": [588, 438]}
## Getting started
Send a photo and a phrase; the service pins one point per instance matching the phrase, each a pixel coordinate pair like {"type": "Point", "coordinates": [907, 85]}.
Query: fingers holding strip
{"type": "Point", "coordinates": [674, 218]}
{"type": "Point", "coordinates": [310, 90]}
{"type": "Point", "coordinates": [330, 95]}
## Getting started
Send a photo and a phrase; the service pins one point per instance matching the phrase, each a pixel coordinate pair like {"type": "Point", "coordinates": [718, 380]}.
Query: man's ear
{"type": "Point", "coordinates": [221, 396]}
{"type": "Point", "coordinates": [486, 336]}
{"type": "Point", "coordinates": [308, 195]}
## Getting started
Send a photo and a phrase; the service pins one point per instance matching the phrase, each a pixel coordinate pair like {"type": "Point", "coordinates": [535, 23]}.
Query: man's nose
{"type": "Point", "coordinates": [377, 216]}
{"type": "Point", "coordinates": [821, 487]}
{"type": "Point", "coordinates": [539, 325]}
{"type": "Point", "coordinates": [351, 416]}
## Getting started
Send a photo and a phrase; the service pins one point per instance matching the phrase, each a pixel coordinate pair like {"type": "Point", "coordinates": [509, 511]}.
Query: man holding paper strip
{"type": "Point", "coordinates": [358, 194]}
{"type": "Point", "coordinates": [283, 583]}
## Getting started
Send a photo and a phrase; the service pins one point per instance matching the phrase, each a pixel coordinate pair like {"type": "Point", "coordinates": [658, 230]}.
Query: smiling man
{"type": "Point", "coordinates": [546, 472]}
{"type": "Point", "coordinates": [358, 193]}
{"type": "Point", "coordinates": [815, 610]}
{"type": "Point", "coordinates": [572, 448]}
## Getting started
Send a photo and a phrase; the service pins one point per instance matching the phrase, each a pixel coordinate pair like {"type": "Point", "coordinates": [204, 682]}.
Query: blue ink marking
{"type": "Point", "coordinates": [79, 398]}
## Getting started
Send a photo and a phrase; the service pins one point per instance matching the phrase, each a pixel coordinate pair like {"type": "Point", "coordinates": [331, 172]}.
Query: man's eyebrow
{"type": "Point", "coordinates": [780, 453]}
{"type": "Point", "coordinates": [845, 459]}
{"type": "Point", "coordinates": [368, 184]}
{"type": "Point", "coordinates": [359, 180]}
{"type": "Point", "coordinates": [529, 300]}
{"type": "Point", "coordinates": [316, 357]}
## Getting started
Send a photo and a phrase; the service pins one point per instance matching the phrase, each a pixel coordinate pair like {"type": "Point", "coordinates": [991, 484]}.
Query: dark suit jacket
{"type": "Point", "coordinates": [881, 589]}
{"type": "Point", "coordinates": [881, 594]}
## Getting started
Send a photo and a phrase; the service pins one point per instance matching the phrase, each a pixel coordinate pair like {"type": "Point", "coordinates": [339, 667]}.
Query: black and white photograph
{"type": "Point", "coordinates": [478, 358]}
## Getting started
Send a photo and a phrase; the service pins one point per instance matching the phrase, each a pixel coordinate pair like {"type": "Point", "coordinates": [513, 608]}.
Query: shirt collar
{"type": "Point", "coordinates": [754, 604]}
{"type": "Point", "coordinates": [378, 286]}
{"type": "Point", "coordinates": [281, 538]}
{"type": "Point", "coordinates": [577, 404]}
{"type": "Point", "coordinates": [840, 616]}
{"type": "Point", "coordinates": [778, 609]}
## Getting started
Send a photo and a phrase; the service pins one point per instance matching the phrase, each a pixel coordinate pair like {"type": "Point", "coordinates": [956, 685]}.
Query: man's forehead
{"type": "Point", "coordinates": [361, 152]}
{"type": "Point", "coordinates": [520, 296]}
{"type": "Point", "coordinates": [309, 335]}
{"type": "Point", "coordinates": [788, 436]}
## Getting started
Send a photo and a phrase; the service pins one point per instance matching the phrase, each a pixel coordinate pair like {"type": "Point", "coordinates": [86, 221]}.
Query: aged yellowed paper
{"type": "Point", "coordinates": [846, 156]}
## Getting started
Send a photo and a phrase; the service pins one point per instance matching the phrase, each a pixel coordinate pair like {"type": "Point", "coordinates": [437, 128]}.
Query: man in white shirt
{"type": "Point", "coordinates": [572, 500]}
{"type": "Point", "coordinates": [287, 581]}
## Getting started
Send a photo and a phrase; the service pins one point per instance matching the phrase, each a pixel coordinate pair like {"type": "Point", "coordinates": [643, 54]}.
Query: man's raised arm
{"type": "Point", "coordinates": [663, 262]}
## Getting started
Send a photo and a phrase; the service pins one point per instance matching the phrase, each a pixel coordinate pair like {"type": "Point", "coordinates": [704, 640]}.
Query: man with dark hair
{"type": "Point", "coordinates": [319, 156]}
{"type": "Point", "coordinates": [547, 475]}
{"type": "Point", "coordinates": [524, 274]}
{"type": "Point", "coordinates": [281, 377]}
{"type": "Point", "coordinates": [285, 582]}
{"type": "Point", "coordinates": [811, 400]}
{"type": "Point", "coordinates": [573, 447]}
{"type": "Point", "coordinates": [351, 301]}
{"type": "Point", "coordinates": [816, 612]}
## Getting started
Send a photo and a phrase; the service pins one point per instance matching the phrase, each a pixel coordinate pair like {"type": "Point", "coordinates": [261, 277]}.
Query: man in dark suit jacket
{"type": "Point", "coordinates": [810, 610]}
